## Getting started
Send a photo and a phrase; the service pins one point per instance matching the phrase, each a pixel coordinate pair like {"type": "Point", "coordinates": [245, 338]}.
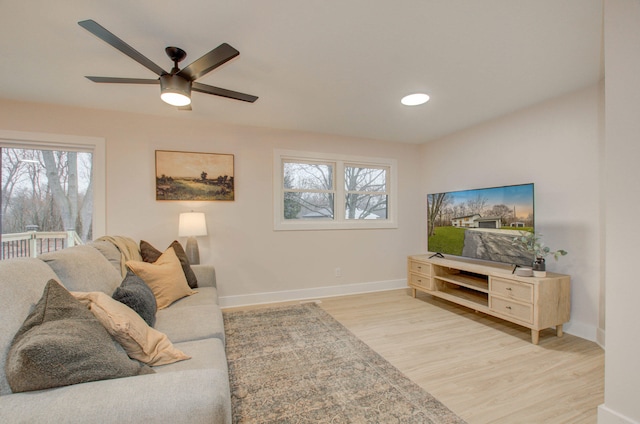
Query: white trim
{"type": "Point", "coordinates": [601, 337]}
{"type": "Point", "coordinates": [392, 207]}
{"type": "Point", "coordinates": [95, 144]}
{"type": "Point", "coordinates": [582, 330]}
{"type": "Point", "coordinates": [609, 416]}
{"type": "Point", "coordinates": [306, 294]}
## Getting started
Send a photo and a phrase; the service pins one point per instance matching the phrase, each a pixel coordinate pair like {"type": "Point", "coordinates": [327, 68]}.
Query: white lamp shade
{"type": "Point", "coordinates": [192, 224]}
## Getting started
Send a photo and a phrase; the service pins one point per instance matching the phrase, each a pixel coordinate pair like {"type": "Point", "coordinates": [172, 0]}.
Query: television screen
{"type": "Point", "coordinates": [481, 223]}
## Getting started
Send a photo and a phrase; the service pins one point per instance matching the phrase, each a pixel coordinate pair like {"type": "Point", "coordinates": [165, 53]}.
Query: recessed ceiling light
{"type": "Point", "coordinates": [415, 99]}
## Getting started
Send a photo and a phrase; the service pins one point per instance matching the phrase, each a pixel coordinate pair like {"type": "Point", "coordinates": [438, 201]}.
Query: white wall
{"type": "Point", "coordinates": [557, 146]}
{"type": "Point", "coordinates": [250, 258]}
{"type": "Point", "coordinates": [622, 66]}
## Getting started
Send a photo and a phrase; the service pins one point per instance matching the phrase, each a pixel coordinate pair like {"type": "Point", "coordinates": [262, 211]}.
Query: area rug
{"type": "Point", "coordinates": [297, 364]}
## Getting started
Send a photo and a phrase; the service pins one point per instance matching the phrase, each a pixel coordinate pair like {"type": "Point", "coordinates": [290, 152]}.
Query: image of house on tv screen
{"type": "Point", "coordinates": [481, 223]}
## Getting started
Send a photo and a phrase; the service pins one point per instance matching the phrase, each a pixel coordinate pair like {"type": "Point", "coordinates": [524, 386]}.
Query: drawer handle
{"type": "Point", "coordinates": [419, 267]}
{"type": "Point", "coordinates": [508, 307]}
{"type": "Point", "coordinates": [509, 288]}
{"type": "Point", "coordinates": [419, 281]}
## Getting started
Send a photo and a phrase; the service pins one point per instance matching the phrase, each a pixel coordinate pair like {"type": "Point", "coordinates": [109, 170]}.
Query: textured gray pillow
{"type": "Point", "coordinates": [135, 293]}
{"type": "Point", "coordinates": [150, 254]}
{"type": "Point", "coordinates": [84, 269]}
{"type": "Point", "coordinates": [62, 343]}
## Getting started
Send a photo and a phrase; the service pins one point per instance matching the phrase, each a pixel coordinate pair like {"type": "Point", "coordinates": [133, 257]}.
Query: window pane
{"type": "Point", "coordinates": [33, 202]}
{"type": "Point", "coordinates": [365, 179]}
{"type": "Point", "coordinates": [308, 176]}
{"type": "Point", "coordinates": [300, 205]}
{"type": "Point", "coordinates": [365, 206]}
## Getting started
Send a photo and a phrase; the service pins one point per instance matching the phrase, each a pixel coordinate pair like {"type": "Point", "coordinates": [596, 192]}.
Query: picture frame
{"type": "Point", "coordinates": [194, 176]}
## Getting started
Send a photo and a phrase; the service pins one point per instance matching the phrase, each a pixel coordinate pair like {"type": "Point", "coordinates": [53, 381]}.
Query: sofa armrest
{"type": "Point", "coordinates": [206, 275]}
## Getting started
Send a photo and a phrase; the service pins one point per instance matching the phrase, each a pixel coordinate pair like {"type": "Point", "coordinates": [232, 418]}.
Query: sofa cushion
{"type": "Point", "coordinates": [135, 293]}
{"type": "Point", "coordinates": [194, 323]}
{"type": "Point", "coordinates": [165, 277]}
{"type": "Point", "coordinates": [109, 251]}
{"type": "Point", "coordinates": [195, 396]}
{"type": "Point", "coordinates": [21, 286]}
{"type": "Point", "coordinates": [62, 343]}
{"type": "Point", "coordinates": [207, 353]}
{"type": "Point", "coordinates": [151, 254]}
{"type": "Point", "coordinates": [83, 268]}
{"type": "Point", "coordinates": [206, 296]}
{"type": "Point", "coordinates": [140, 341]}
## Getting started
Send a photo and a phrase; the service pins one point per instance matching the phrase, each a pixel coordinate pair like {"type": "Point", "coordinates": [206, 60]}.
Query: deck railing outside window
{"type": "Point", "coordinates": [33, 243]}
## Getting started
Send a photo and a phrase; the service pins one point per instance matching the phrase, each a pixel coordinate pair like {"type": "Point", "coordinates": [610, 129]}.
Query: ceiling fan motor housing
{"type": "Point", "coordinates": [175, 90]}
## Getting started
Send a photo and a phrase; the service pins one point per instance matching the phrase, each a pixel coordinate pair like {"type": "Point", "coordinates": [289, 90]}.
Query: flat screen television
{"type": "Point", "coordinates": [481, 223]}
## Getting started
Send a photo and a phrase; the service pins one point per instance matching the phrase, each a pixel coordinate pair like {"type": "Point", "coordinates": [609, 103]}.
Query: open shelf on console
{"type": "Point", "coordinates": [463, 295]}
{"type": "Point", "coordinates": [469, 280]}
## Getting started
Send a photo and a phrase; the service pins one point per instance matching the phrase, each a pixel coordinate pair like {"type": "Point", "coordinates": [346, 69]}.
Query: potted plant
{"type": "Point", "coordinates": [532, 242]}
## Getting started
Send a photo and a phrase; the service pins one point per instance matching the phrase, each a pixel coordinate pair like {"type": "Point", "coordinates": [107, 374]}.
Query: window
{"type": "Point", "coordinates": [52, 192]}
{"type": "Point", "coordinates": [318, 191]}
{"type": "Point", "coordinates": [366, 192]}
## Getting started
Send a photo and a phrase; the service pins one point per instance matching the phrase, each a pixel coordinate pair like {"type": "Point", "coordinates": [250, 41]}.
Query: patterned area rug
{"type": "Point", "coordinates": [297, 364]}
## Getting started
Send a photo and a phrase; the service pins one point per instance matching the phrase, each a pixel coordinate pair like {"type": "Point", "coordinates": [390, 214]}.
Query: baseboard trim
{"type": "Point", "coordinates": [609, 416]}
{"type": "Point", "coordinates": [582, 330]}
{"type": "Point", "coordinates": [306, 294]}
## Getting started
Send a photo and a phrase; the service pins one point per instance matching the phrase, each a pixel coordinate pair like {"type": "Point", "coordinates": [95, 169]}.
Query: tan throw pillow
{"type": "Point", "coordinates": [151, 254]}
{"type": "Point", "coordinates": [164, 276]}
{"type": "Point", "coordinates": [140, 341]}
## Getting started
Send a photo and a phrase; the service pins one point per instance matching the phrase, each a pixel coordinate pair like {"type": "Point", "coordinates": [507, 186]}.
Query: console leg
{"type": "Point", "coordinates": [535, 336]}
{"type": "Point", "coordinates": [413, 292]}
{"type": "Point", "coordinates": [559, 332]}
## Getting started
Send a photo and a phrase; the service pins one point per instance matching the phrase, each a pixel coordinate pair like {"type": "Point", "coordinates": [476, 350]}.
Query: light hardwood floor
{"type": "Point", "coordinates": [482, 368]}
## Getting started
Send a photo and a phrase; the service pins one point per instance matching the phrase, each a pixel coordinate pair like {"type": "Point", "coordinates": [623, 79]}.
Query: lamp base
{"type": "Point", "coordinates": [192, 251]}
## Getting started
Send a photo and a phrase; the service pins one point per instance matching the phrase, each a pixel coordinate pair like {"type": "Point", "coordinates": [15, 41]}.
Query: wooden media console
{"type": "Point", "coordinates": [533, 302]}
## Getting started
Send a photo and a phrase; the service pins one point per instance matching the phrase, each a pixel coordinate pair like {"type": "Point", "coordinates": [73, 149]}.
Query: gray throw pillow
{"type": "Point", "coordinates": [137, 295]}
{"type": "Point", "coordinates": [62, 343]}
{"type": "Point", "coordinates": [150, 254]}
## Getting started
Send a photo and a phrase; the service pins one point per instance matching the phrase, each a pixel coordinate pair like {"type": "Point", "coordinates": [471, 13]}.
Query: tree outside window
{"type": "Point", "coordinates": [308, 190]}
{"type": "Point", "coordinates": [366, 192]}
{"type": "Point", "coordinates": [47, 190]}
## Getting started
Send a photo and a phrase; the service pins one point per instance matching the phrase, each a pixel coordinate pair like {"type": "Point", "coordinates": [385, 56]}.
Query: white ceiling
{"type": "Point", "coordinates": [329, 66]}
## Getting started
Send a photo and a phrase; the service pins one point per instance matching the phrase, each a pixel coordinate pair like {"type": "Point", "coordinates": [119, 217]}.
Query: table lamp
{"type": "Point", "coordinates": [191, 225]}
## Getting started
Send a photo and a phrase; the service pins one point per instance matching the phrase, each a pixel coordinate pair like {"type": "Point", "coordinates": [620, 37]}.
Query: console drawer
{"type": "Point", "coordinates": [420, 268]}
{"type": "Point", "coordinates": [512, 289]}
{"type": "Point", "coordinates": [513, 309]}
{"type": "Point", "coordinates": [421, 281]}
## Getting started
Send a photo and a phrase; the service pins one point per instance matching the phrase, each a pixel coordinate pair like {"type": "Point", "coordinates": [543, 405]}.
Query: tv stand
{"type": "Point", "coordinates": [533, 302]}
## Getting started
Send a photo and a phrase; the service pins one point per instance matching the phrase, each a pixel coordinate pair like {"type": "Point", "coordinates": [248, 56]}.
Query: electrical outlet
{"type": "Point", "coordinates": [338, 272]}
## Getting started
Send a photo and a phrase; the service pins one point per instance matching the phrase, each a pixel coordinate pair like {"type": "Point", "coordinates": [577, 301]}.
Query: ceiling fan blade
{"type": "Point", "coordinates": [106, 36]}
{"type": "Point", "coordinates": [209, 89]}
{"type": "Point", "coordinates": [113, 80]}
{"type": "Point", "coordinates": [216, 57]}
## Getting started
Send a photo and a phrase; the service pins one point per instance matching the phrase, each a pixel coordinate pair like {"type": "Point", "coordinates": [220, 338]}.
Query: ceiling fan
{"type": "Point", "coordinates": [175, 86]}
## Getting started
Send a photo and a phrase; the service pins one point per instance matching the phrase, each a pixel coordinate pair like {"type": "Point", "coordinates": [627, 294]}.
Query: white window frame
{"type": "Point", "coordinates": [339, 221]}
{"type": "Point", "coordinates": [95, 145]}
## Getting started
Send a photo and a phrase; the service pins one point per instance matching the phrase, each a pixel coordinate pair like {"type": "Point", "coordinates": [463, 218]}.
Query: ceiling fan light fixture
{"type": "Point", "coordinates": [415, 99]}
{"type": "Point", "coordinates": [175, 90]}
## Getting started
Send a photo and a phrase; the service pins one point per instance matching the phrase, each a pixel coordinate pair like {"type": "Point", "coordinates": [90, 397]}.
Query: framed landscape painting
{"type": "Point", "coordinates": [194, 176]}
